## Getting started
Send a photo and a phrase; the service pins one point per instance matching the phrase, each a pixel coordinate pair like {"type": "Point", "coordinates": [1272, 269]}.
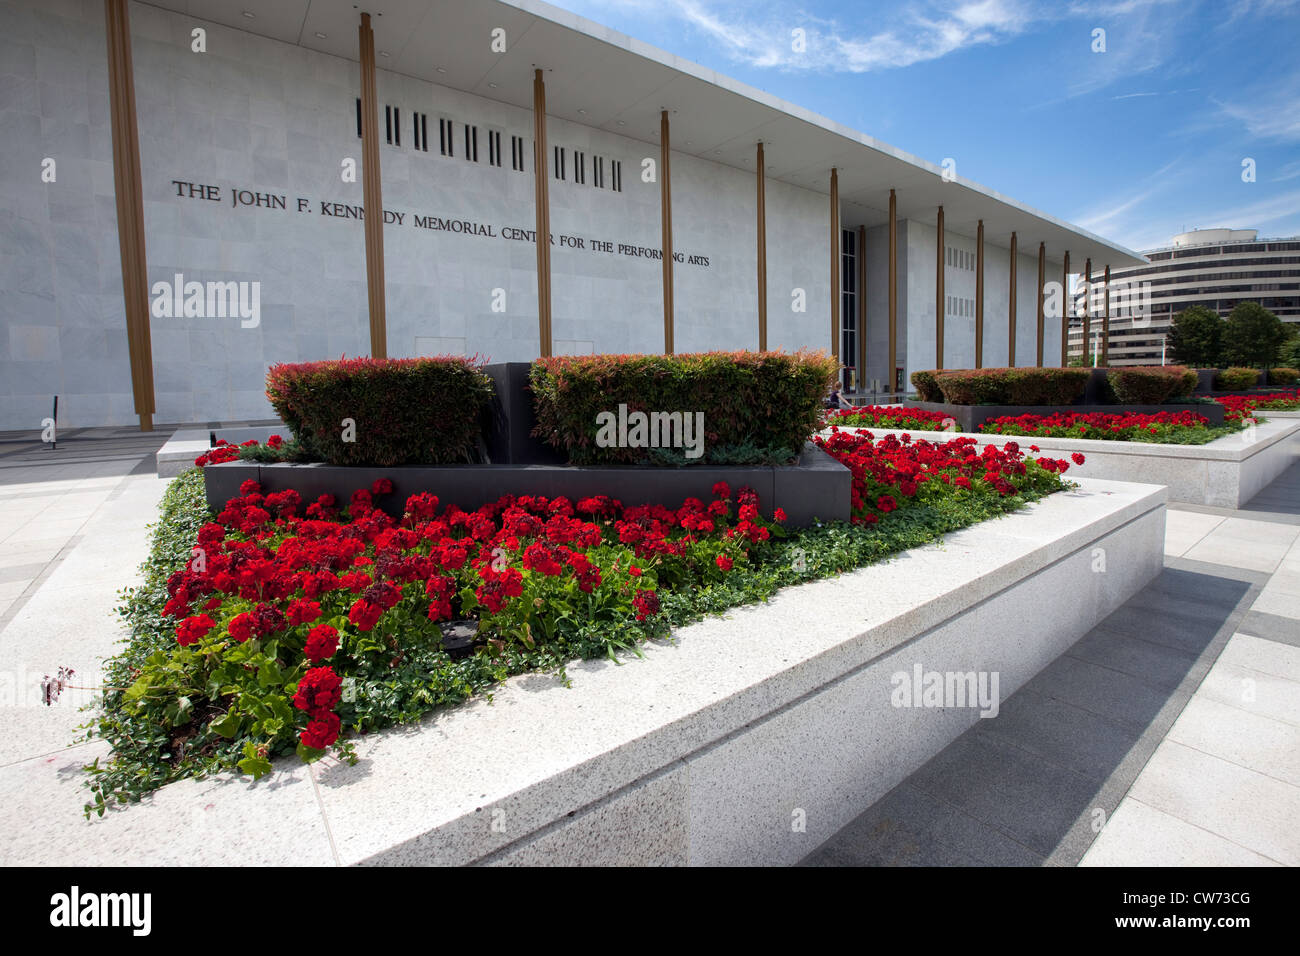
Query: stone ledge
{"type": "Point", "coordinates": [694, 753]}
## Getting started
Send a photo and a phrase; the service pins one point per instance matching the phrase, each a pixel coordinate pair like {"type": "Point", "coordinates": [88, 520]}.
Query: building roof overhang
{"type": "Point", "coordinates": [604, 79]}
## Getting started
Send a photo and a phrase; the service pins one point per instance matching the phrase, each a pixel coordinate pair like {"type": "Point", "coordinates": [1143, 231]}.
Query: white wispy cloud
{"type": "Point", "coordinates": [763, 35]}
{"type": "Point", "coordinates": [1269, 111]}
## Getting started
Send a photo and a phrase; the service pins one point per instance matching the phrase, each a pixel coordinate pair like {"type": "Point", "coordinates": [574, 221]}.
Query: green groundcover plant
{"type": "Point", "coordinates": [280, 625]}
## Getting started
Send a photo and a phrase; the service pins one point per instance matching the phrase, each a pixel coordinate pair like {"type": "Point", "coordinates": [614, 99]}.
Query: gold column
{"type": "Point", "coordinates": [762, 253]}
{"type": "Point", "coordinates": [1042, 266]}
{"type": "Point", "coordinates": [1087, 307]}
{"type": "Point", "coordinates": [371, 193]}
{"type": "Point", "coordinates": [542, 200]}
{"type": "Point", "coordinates": [835, 263]}
{"type": "Point", "coordinates": [1065, 310]}
{"type": "Point", "coordinates": [666, 226]}
{"type": "Point", "coordinates": [938, 291]}
{"type": "Point", "coordinates": [1105, 324]}
{"type": "Point", "coordinates": [1011, 311]}
{"type": "Point", "coordinates": [979, 295]}
{"type": "Point", "coordinates": [892, 365]}
{"type": "Point", "coordinates": [130, 208]}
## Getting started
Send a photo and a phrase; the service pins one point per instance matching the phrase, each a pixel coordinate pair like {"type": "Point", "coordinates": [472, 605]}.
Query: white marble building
{"type": "Point", "coordinates": [267, 113]}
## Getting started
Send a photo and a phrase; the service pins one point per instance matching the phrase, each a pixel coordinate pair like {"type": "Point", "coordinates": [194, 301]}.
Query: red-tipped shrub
{"type": "Point", "coordinates": [424, 411]}
{"type": "Point", "coordinates": [1013, 386]}
{"type": "Point", "coordinates": [761, 402]}
{"type": "Point", "coordinates": [1150, 384]}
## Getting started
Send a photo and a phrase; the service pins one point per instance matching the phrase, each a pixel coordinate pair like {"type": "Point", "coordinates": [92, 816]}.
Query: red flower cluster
{"type": "Point", "coordinates": [888, 473]}
{"type": "Point", "coordinates": [1238, 407]}
{"type": "Point", "coordinates": [319, 692]}
{"type": "Point", "coordinates": [1127, 426]}
{"type": "Point", "coordinates": [888, 417]}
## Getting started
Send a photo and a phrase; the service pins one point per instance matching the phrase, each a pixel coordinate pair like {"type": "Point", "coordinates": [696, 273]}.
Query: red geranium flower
{"type": "Point", "coordinates": [322, 730]}
{"type": "Point", "coordinates": [322, 642]}
{"type": "Point", "coordinates": [723, 562]}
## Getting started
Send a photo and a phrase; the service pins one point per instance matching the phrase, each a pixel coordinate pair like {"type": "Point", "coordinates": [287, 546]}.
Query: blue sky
{"type": "Point", "coordinates": [1135, 143]}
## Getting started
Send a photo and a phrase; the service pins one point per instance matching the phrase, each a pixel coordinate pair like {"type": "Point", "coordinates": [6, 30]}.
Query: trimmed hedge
{"type": "Point", "coordinates": [759, 407]}
{"type": "Point", "coordinates": [1013, 386]}
{"type": "Point", "coordinates": [927, 388]}
{"type": "Point", "coordinates": [1150, 384]}
{"type": "Point", "coordinates": [1236, 379]}
{"type": "Point", "coordinates": [411, 411]}
{"type": "Point", "coordinates": [1283, 376]}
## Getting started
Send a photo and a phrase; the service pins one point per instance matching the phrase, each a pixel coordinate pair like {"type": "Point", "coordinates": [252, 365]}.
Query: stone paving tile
{"type": "Point", "coordinates": [1252, 810]}
{"type": "Point", "coordinates": [1139, 835]}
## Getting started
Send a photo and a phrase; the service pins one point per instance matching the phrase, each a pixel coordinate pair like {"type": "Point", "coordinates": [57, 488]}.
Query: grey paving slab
{"type": "Point", "coordinates": [1062, 757]}
{"type": "Point", "coordinates": [1274, 627]}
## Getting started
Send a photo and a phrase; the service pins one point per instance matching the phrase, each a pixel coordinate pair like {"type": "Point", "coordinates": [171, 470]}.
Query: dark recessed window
{"type": "Point", "coordinates": [420, 131]}
{"type": "Point", "coordinates": [517, 153]}
{"type": "Point", "coordinates": [445, 140]}
{"type": "Point", "coordinates": [598, 172]}
{"type": "Point", "coordinates": [471, 143]}
{"type": "Point", "coordinates": [392, 125]}
{"type": "Point", "coordinates": [616, 175]}
{"type": "Point", "coordinates": [494, 148]}
{"type": "Point", "coordinates": [559, 162]}
{"type": "Point", "coordinates": [358, 117]}
{"type": "Point", "coordinates": [579, 167]}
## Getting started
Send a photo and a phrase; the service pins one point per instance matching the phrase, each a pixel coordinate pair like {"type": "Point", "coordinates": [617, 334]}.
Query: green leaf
{"type": "Point", "coordinates": [255, 766]}
{"type": "Point", "coordinates": [227, 726]}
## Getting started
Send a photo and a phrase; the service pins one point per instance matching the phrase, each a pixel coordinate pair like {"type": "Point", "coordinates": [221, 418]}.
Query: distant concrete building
{"type": "Point", "coordinates": [1215, 268]}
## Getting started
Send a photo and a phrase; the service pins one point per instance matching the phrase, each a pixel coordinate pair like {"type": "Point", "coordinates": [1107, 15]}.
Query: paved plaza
{"type": "Point", "coordinates": [1174, 722]}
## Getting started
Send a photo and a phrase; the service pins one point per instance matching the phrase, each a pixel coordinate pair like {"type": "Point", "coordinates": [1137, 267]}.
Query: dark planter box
{"type": "Point", "coordinates": [816, 488]}
{"type": "Point", "coordinates": [970, 417]}
{"type": "Point", "coordinates": [508, 433]}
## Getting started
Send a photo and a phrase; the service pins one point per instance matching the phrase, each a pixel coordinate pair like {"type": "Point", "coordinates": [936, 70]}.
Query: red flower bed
{"type": "Point", "coordinates": [889, 416]}
{"type": "Point", "coordinates": [1160, 427]}
{"type": "Point", "coordinates": [1237, 407]}
{"type": "Point", "coordinates": [280, 590]}
{"type": "Point", "coordinates": [894, 472]}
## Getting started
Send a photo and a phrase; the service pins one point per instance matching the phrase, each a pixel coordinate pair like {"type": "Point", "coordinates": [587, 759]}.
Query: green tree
{"type": "Point", "coordinates": [1289, 353]}
{"type": "Point", "coordinates": [1196, 337]}
{"type": "Point", "coordinates": [1252, 336]}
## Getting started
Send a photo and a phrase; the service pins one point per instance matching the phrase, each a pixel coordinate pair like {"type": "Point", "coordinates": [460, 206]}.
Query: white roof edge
{"type": "Point", "coordinates": [604, 34]}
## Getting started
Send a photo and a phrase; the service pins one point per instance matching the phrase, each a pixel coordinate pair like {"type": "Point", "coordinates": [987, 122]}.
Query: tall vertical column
{"type": "Point", "coordinates": [130, 209]}
{"type": "Point", "coordinates": [1042, 277]}
{"type": "Point", "coordinates": [1087, 309]}
{"type": "Point", "coordinates": [1065, 310]}
{"type": "Point", "coordinates": [372, 196]}
{"type": "Point", "coordinates": [762, 251]}
{"type": "Point", "coordinates": [1105, 324]}
{"type": "Point", "coordinates": [542, 201]}
{"type": "Point", "coordinates": [836, 296]}
{"type": "Point", "coordinates": [893, 290]}
{"type": "Point", "coordinates": [666, 227]}
{"type": "Point", "coordinates": [938, 290]}
{"type": "Point", "coordinates": [979, 295]}
{"type": "Point", "coordinates": [862, 307]}
{"type": "Point", "coordinates": [1011, 310]}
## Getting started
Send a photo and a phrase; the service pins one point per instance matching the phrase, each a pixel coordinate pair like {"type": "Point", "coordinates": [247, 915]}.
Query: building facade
{"type": "Point", "coordinates": [185, 203]}
{"type": "Point", "coordinates": [1214, 268]}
